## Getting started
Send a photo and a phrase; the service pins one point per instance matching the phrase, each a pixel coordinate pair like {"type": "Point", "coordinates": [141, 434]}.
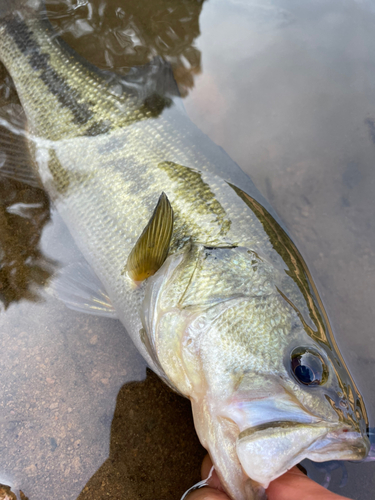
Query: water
{"type": "Point", "coordinates": [287, 89]}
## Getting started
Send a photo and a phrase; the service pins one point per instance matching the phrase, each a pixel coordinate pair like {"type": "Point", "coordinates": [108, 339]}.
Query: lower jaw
{"type": "Point", "coordinates": [295, 441]}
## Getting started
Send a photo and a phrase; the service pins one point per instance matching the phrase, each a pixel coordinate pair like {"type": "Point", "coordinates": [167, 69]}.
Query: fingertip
{"type": "Point", "coordinates": [213, 481]}
{"type": "Point", "coordinates": [287, 486]}
{"type": "Point", "coordinates": [206, 466]}
{"type": "Point", "coordinates": [295, 485]}
{"type": "Point", "coordinates": [207, 493]}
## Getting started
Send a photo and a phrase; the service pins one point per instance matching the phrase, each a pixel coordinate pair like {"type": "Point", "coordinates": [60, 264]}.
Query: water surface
{"type": "Point", "coordinates": [288, 90]}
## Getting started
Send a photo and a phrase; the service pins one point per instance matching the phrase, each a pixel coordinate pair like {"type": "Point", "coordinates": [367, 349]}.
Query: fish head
{"type": "Point", "coordinates": [231, 330]}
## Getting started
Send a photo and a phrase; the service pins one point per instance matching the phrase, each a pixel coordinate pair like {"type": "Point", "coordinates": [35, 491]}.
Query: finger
{"type": "Point", "coordinates": [207, 493]}
{"type": "Point", "coordinates": [206, 466]}
{"type": "Point", "coordinates": [294, 485]}
{"type": "Point", "coordinates": [214, 481]}
{"type": "Point", "coordinates": [214, 490]}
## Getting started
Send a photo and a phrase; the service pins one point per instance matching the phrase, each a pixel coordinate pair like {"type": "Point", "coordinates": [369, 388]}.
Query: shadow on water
{"type": "Point", "coordinates": [153, 454]}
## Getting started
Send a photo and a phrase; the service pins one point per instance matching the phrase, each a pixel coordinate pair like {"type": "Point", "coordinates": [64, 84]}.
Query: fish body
{"type": "Point", "coordinates": [231, 318]}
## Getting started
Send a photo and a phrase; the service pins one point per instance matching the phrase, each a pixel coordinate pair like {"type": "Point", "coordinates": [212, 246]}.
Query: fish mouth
{"type": "Point", "coordinates": [333, 442]}
{"type": "Point", "coordinates": [268, 450]}
{"type": "Point", "coordinates": [279, 424]}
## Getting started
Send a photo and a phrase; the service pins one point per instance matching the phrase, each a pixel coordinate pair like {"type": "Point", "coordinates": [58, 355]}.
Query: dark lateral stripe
{"type": "Point", "coordinates": [66, 95]}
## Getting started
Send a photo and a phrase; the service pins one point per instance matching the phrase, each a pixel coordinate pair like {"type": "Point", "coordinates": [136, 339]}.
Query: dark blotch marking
{"type": "Point", "coordinates": [155, 103]}
{"type": "Point", "coordinates": [39, 62]}
{"type": "Point", "coordinates": [98, 128]}
{"type": "Point", "coordinates": [371, 126]}
{"type": "Point", "coordinates": [190, 181]}
{"type": "Point", "coordinates": [66, 95]}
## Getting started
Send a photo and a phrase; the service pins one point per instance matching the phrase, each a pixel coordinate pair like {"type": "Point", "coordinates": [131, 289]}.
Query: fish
{"type": "Point", "coordinates": [182, 248]}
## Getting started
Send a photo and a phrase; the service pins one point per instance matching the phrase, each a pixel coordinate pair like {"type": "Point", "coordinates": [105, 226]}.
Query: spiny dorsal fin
{"type": "Point", "coordinates": [151, 249]}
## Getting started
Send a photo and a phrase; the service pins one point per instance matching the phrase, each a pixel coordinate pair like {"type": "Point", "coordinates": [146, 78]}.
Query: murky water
{"type": "Point", "coordinates": [287, 88]}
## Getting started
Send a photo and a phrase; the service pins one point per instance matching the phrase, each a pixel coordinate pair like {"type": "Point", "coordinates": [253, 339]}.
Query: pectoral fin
{"type": "Point", "coordinates": [151, 249]}
{"type": "Point", "coordinates": [80, 289]}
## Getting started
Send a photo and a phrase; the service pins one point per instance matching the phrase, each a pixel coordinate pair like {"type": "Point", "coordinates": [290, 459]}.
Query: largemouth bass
{"type": "Point", "coordinates": [191, 259]}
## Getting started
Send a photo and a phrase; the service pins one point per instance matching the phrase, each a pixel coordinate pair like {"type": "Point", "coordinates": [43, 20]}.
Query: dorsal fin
{"type": "Point", "coordinates": [151, 249]}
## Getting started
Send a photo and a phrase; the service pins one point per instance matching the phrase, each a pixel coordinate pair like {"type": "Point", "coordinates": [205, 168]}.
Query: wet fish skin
{"type": "Point", "coordinates": [221, 317]}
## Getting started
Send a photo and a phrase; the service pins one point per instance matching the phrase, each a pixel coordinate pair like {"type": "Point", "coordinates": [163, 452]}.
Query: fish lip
{"type": "Point", "coordinates": [336, 434]}
{"type": "Point", "coordinates": [357, 442]}
{"type": "Point", "coordinates": [276, 424]}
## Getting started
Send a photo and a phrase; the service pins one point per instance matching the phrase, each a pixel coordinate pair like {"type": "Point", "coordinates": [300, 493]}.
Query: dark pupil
{"type": "Point", "coordinates": [307, 368]}
{"type": "Point", "coordinates": [304, 374]}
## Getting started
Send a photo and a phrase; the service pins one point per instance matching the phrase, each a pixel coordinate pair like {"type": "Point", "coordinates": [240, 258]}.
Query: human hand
{"type": "Point", "coordinates": [293, 485]}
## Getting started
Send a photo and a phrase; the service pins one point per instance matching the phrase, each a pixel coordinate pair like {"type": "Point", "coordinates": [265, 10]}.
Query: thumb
{"type": "Point", "coordinates": [214, 490]}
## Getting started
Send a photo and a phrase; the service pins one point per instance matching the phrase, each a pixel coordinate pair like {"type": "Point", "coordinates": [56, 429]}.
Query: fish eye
{"type": "Point", "coordinates": [308, 366]}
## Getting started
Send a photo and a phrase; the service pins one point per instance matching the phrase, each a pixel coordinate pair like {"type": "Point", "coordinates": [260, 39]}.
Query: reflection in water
{"type": "Point", "coordinates": [24, 210]}
{"type": "Point", "coordinates": [23, 214]}
{"type": "Point", "coordinates": [7, 494]}
{"type": "Point", "coordinates": [118, 36]}
{"type": "Point", "coordinates": [328, 468]}
{"type": "Point", "coordinates": [153, 454]}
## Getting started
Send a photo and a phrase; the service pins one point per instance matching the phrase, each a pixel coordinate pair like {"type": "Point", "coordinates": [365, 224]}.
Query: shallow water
{"type": "Point", "coordinates": [287, 89]}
